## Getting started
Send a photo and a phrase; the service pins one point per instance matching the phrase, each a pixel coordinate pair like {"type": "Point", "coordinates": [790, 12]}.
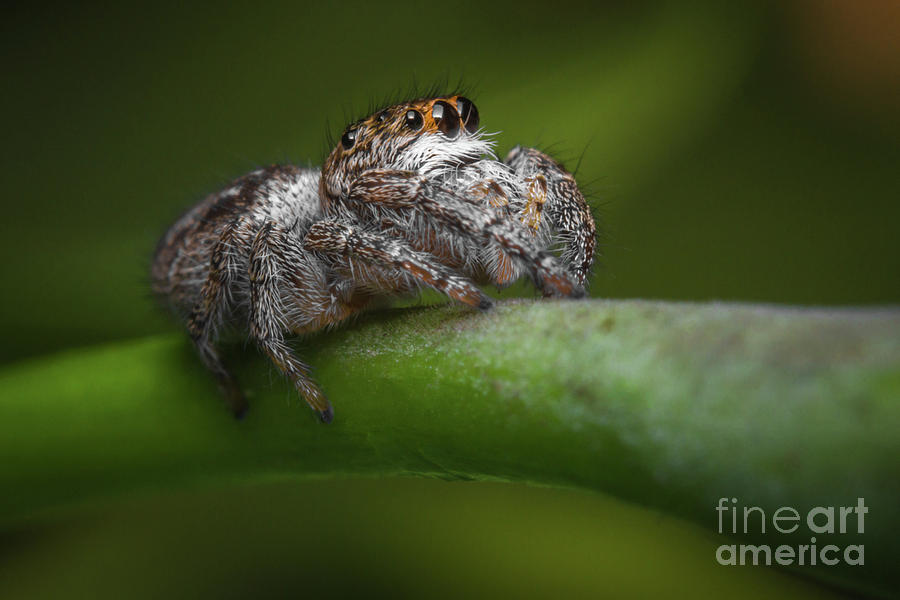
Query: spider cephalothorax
{"type": "Point", "coordinates": [428, 136]}
{"type": "Point", "coordinates": [411, 196]}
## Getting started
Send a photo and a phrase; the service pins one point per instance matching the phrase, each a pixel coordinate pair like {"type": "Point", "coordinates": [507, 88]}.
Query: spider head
{"type": "Point", "coordinates": [432, 136]}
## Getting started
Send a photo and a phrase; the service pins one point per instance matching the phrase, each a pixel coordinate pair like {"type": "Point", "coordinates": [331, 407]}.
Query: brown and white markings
{"type": "Point", "coordinates": [412, 196]}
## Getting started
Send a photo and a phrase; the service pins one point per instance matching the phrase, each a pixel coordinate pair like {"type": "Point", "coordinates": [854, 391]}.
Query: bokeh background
{"type": "Point", "coordinates": [737, 151]}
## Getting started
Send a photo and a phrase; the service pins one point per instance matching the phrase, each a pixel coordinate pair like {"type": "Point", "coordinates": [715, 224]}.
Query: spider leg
{"type": "Point", "coordinates": [207, 315]}
{"type": "Point", "coordinates": [383, 251]}
{"type": "Point", "coordinates": [267, 256]}
{"type": "Point", "coordinates": [399, 195]}
{"type": "Point", "coordinates": [498, 266]}
{"type": "Point", "coordinates": [553, 194]}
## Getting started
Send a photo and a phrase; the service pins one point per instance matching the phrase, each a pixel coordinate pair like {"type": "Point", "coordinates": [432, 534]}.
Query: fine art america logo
{"type": "Point", "coordinates": [786, 520]}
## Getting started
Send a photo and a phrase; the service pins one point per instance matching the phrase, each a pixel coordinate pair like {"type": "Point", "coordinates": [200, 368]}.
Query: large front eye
{"type": "Point", "coordinates": [445, 118]}
{"type": "Point", "coordinates": [468, 113]}
{"type": "Point", "coordinates": [414, 120]}
{"type": "Point", "coordinates": [348, 139]}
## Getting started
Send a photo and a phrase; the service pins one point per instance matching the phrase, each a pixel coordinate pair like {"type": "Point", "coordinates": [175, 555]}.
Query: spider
{"type": "Point", "coordinates": [412, 196]}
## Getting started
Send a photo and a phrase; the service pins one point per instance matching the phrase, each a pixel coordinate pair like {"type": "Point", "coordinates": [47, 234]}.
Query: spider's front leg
{"type": "Point", "coordinates": [555, 202]}
{"type": "Point", "coordinates": [384, 252]}
{"type": "Point", "coordinates": [385, 194]}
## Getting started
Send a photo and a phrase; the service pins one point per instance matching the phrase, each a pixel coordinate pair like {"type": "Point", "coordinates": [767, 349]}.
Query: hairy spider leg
{"type": "Point", "coordinates": [267, 328]}
{"type": "Point", "coordinates": [443, 209]}
{"type": "Point", "coordinates": [382, 251]}
{"type": "Point", "coordinates": [557, 195]}
{"type": "Point", "coordinates": [207, 314]}
{"type": "Point", "coordinates": [498, 265]}
{"type": "Point", "coordinates": [534, 203]}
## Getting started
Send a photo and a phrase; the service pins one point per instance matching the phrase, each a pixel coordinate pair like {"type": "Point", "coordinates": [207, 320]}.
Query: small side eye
{"type": "Point", "coordinates": [414, 120]}
{"type": "Point", "coordinates": [468, 113]}
{"type": "Point", "coordinates": [348, 139]}
{"type": "Point", "coordinates": [445, 118]}
{"type": "Point", "coordinates": [382, 116]}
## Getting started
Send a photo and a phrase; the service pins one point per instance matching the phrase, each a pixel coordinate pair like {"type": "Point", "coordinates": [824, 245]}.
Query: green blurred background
{"type": "Point", "coordinates": [738, 151]}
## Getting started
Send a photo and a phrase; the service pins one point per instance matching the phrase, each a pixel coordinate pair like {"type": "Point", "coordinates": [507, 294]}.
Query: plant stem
{"type": "Point", "coordinates": [668, 405]}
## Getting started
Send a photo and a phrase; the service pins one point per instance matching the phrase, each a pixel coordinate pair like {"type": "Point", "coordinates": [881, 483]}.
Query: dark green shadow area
{"type": "Point", "coordinates": [391, 539]}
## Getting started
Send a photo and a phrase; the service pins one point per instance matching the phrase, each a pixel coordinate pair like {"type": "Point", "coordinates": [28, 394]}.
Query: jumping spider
{"type": "Point", "coordinates": [411, 196]}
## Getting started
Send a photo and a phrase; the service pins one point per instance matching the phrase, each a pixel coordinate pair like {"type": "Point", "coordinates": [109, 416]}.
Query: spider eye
{"type": "Point", "coordinates": [414, 120]}
{"type": "Point", "coordinates": [348, 139]}
{"type": "Point", "coordinates": [445, 118]}
{"type": "Point", "coordinates": [468, 113]}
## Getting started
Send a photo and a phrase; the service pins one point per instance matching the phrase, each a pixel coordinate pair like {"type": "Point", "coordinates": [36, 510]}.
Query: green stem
{"type": "Point", "coordinates": [672, 406]}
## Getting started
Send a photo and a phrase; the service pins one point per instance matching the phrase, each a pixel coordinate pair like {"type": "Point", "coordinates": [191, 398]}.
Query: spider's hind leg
{"type": "Point", "coordinates": [268, 256]}
{"type": "Point", "coordinates": [207, 315]}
